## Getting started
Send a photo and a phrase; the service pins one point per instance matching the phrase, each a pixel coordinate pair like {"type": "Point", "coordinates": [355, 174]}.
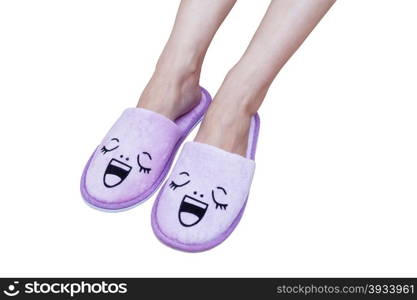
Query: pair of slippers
{"type": "Point", "coordinates": [205, 195]}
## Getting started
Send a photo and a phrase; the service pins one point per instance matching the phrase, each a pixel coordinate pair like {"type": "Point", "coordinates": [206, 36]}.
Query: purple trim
{"type": "Point", "coordinates": [253, 140]}
{"type": "Point", "coordinates": [146, 195]}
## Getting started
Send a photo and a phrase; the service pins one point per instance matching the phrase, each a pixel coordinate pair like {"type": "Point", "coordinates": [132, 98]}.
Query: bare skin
{"type": "Point", "coordinates": [174, 87]}
{"type": "Point", "coordinates": [284, 27]}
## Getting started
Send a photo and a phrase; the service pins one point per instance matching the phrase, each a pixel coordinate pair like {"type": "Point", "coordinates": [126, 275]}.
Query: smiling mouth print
{"type": "Point", "coordinates": [115, 173]}
{"type": "Point", "coordinates": [191, 211]}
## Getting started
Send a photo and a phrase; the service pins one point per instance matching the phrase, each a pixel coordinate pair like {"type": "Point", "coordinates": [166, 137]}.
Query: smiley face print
{"type": "Point", "coordinates": [131, 160]}
{"type": "Point", "coordinates": [119, 168]}
{"type": "Point", "coordinates": [203, 197]}
{"type": "Point", "coordinates": [119, 171]}
{"type": "Point", "coordinates": [193, 207]}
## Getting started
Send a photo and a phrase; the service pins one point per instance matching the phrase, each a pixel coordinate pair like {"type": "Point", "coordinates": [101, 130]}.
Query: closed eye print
{"type": "Point", "coordinates": [141, 167]}
{"type": "Point", "coordinates": [174, 185]}
{"type": "Point", "coordinates": [104, 149]}
{"type": "Point", "coordinates": [218, 204]}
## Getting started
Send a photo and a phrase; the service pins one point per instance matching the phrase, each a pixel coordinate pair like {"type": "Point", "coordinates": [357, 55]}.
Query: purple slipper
{"type": "Point", "coordinates": [205, 196]}
{"type": "Point", "coordinates": [135, 156]}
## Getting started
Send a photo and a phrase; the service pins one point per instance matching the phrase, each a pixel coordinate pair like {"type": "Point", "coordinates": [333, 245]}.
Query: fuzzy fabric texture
{"type": "Point", "coordinates": [135, 155]}
{"type": "Point", "coordinates": [205, 195]}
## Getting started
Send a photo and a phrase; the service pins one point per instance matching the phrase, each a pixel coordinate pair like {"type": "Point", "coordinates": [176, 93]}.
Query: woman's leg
{"type": "Point", "coordinates": [284, 27]}
{"type": "Point", "coordinates": [174, 87]}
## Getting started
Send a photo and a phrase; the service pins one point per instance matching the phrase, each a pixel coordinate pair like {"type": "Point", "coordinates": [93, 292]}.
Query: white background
{"type": "Point", "coordinates": [334, 192]}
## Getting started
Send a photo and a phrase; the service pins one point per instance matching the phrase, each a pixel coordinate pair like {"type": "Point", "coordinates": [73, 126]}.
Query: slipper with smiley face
{"type": "Point", "coordinates": [205, 196]}
{"type": "Point", "coordinates": [135, 156]}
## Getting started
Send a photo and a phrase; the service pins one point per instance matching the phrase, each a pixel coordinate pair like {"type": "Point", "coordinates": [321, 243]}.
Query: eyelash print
{"type": "Point", "coordinates": [104, 150]}
{"type": "Point", "coordinates": [173, 185]}
{"type": "Point", "coordinates": [142, 168]}
{"type": "Point", "coordinates": [219, 205]}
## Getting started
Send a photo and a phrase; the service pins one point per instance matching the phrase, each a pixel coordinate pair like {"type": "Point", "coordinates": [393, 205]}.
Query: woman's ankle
{"type": "Point", "coordinates": [183, 64]}
{"type": "Point", "coordinates": [225, 126]}
{"type": "Point", "coordinates": [227, 122]}
{"type": "Point", "coordinates": [172, 91]}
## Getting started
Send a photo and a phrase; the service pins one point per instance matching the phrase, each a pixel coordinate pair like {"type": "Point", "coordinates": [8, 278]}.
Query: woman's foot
{"type": "Point", "coordinates": [227, 121]}
{"type": "Point", "coordinates": [172, 90]}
